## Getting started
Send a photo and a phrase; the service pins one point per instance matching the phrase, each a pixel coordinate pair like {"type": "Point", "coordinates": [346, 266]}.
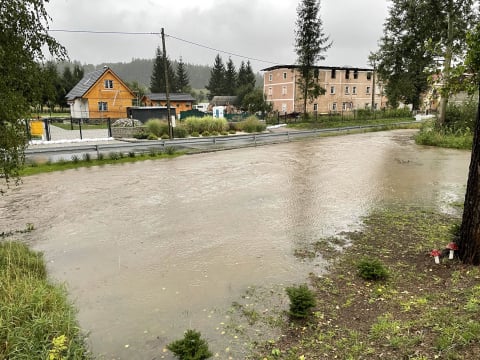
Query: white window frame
{"type": "Point", "coordinates": [344, 106]}
{"type": "Point", "coordinates": [284, 90]}
{"type": "Point", "coordinates": [368, 90]}
{"type": "Point", "coordinates": [108, 84]}
{"type": "Point", "coordinates": [334, 106]}
{"type": "Point", "coordinates": [354, 90]}
{"type": "Point", "coordinates": [270, 91]}
{"type": "Point", "coordinates": [270, 77]}
{"type": "Point", "coordinates": [285, 76]}
{"type": "Point", "coordinates": [332, 90]}
{"type": "Point", "coordinates": [347, 90]}
{"type": "Point", "coordinates": [315, 107]}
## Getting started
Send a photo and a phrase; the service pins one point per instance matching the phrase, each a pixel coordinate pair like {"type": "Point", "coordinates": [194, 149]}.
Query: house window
{"type": "Point", "coordinates": [332, 90]}
{"type": "Point", "coordinates": [355, 74]}
{"type": "Point", "coordinates": [354, 90]}
{"type": "Point", "coordinates": [270, 77]}
{"type": "Point", "coordinates": [333, 75]}
{"type": "Point", "coordinates": [347, 74]}
{"type": "Point", "coordinates": [368, 90]}
{"type": "Point", "coordinates": [369, 75]}
{"type": "Point", "coordinates": [315, 107]}
{"type": "Point", "coordinates": [284, 75]}
{"type": "Point", "coordinates": [108, 84]}
{"type": "Point", "coordinates": [334, 106]}
{"type": "Point", "coordinates": [344, 106]}
{"type": "Point", "coordinates": [270, 91]}
{"type": "Point", "coordinates": [102, 106]}
{"type": "Point", "coordinates": [346, 90]}
{"type": "Point", "coordinates": [284, 108]}
{"type": "Point", "coordinates": [284, 90]}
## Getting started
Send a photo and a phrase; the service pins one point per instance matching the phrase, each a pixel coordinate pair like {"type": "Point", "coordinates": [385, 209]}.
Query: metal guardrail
{"type": "Point", "coordinates": [201, 143]}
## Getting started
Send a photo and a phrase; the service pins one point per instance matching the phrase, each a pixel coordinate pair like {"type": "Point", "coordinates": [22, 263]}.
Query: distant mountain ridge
{"type": "Point", "coordinates": [140, 70]}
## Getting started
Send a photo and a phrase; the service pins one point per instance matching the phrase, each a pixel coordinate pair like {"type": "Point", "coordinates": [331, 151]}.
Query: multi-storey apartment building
{"type": "Point", "coordinates": [346, 88]}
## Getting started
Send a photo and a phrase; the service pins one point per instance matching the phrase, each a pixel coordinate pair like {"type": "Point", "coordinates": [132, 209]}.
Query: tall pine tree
{"type": "Point", "coordinates": [310, 44]}
{"type": "Point", "coordinates": [230, 78]}
{"type": "Point", "coordinates": [157, 81]}
{"type": "Point", "coordinates": [245, 81]}
{"type": "Point", "coordinates": [216, 84]}
{"type": "Point", "coordinates": [183, 82]}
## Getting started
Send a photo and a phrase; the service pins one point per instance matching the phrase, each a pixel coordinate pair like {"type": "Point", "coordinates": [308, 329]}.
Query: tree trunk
{"type": "Point", "coordinates": [469, 243]}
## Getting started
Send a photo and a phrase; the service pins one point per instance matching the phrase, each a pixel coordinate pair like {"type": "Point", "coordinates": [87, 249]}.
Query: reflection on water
{"type": "Point", "coordinates": [153, 248]}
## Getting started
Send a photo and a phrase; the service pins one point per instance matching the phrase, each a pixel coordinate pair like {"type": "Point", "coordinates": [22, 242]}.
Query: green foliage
{"type": "Point", "coordinates": [216, 84]}
{"type": "Point", "coordinates": [157, 127]}
{"type": "Point", "coordinates": [152, 137]}
{"type": "Point", "coordinates": [131, 154]}
{"type": "Point", "coordinates": [113, 155]}
{"type": "Point", "coordinates": [302, 300]}
{"type": "Point", "coordinates": [207, 123]}
{"type": "Point", "coordinates": [87, 157]}
{"type": "Point", "coordinates": [432, 135]}
{"type": "Point", "coordinates": [372, 269]}
{"type": "Point", "coordinates": [251, 125]}
{"type": "Point", "coordinates": [75, 159]}
{"type": "Point", "coordinates": [33, 311]}
{"type": "Point", "coordinates": [157, 81]}
{"type": "Point", "coordinates": [195, 134]}
{"type": "Point", "coordinates": [23, 39]}
{"type": "Point", "coordinates": [206, 133]}
{"type": "Point", "coordinates": [461, 117]}
{"type": "Point", "coordinates": [180, 132]}
{"type": "Point", "coordinates": [170, 150]}
{"type": "Point", "coordinates": [191, 347]}
{"type": "Point", "coordinates": [181, 75]}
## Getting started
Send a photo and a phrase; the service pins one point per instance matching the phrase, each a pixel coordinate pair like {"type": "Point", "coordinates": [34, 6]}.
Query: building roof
{"type": "Point", "coordinates": [276, 67]}
{"type": "Point", "coordinates": [85, 84]}
{"type": "Point", "coordinates": [224, 100]}
{"type": "Point", "coordinates": [173, 97]}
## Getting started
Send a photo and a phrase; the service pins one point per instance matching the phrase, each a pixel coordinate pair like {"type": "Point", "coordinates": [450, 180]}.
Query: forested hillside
{"type": "Point", "coordinates": [140, 70]}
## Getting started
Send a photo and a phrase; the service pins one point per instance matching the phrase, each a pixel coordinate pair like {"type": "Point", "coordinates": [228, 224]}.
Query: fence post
{"type": "Point", "coordinates": [47, 130]}
{"type": "Point", "coordinates": [214, 140]}
{"type": "Point", "coordinates": [98, 152]}
{"type": "Point", "coordinates": [255, 139]}
{"type": "Point", "coordinates": [109, 123]}
{"type": "Point", "coordinates": [288, 136]}
{"type": "Point", "coordinates": [80, 127]}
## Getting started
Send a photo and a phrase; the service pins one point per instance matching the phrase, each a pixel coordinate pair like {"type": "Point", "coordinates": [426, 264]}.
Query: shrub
{"type": "Point", "coordinates": [214, 133]}
{"type": "Point", "coordinates": [191, 347]}
{"type": "Point", "coordinates": [87, 157]}
{"type": "Point", "coordinates": [207, 123]}
{"type": "Point", "coordinates": [224, 133]}
{"type": "Point", "coordinates": [205, 133]}
{"type": "Point", "coordinates": [152, 136]}
{"type": "Point", "coordinates": [157, 127]}
{"type": "Point", "coordinates": [180, 132]}
{"type": "Point", "coordinates": [232, 131]}
{"type": "Point", "coordinates": [140, 135]}
{"type": "Point", "coordinates": [372, 269]}
{"type": "Point", "coordinates": [170, 150]}
{"type": "Point", "coordinates": [75, 159]}
{"type": "Point", "coordinates": [195, 134]}
{"type": "Point", "coordinates": [251, 125]}
{"type": "Point", "coordinates": [302, 299]}
{"type": "Point", "coordinates": [113, 156]}
{"type": "Point", "coordinates": [131, 154]}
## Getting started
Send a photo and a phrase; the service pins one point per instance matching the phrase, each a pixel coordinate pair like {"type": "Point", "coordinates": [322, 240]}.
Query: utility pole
{"type": "Point", "coordinates": [167, 87]}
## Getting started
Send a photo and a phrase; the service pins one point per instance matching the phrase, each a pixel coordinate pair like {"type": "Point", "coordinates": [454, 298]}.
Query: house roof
{"type": "Point", "coordinates": [85, 84]}
{"type": "Point", "coordinates": [276, 67]}
{"type": "Point", "coordinates": [173, 97]}
{"type": "Point", "coordinates": [224, 100]}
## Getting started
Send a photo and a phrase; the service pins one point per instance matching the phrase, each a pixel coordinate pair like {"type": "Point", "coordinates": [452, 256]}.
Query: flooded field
{"type": "Point", "coordinates": [153, 248]}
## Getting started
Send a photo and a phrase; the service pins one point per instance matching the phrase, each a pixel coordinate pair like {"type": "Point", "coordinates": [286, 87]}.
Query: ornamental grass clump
{"type": "Point", "coordinates": [302, 300]}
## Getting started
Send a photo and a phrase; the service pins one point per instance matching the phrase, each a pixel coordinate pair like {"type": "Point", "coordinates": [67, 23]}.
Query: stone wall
{"type": "Point", "coordinates": [127, 132]}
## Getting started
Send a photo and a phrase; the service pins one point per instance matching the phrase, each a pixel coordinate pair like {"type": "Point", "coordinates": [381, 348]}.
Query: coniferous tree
{"type": "Point", "coordinates": [216, 84]}
{"type": "Point", "coordinates": [245, 81]}
{"type": "Point", "coordinates": [310, 44]}
{"type": "Point", "coordinates": [230, 78]}
{"type": "Point", "coordinates": [183, 82]}
{"type": "Point", "coordinates": [157, 80]}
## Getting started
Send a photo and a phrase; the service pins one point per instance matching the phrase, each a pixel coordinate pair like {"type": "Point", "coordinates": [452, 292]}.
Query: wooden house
{"type": "Point", "coordinates": [101, 94]}
{"type": "Point", "coordinates": [179, 101]}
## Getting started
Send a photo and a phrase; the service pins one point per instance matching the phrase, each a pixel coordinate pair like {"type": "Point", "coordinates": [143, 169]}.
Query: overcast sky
{"type": "Point", "coordinates": [254, 29]}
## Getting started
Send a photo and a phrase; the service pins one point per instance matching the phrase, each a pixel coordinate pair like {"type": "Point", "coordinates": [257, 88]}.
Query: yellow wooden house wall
{"type": "Point", "coordinates": [118, 98]}
{"type": "Point", "coordinates": [178, 105]}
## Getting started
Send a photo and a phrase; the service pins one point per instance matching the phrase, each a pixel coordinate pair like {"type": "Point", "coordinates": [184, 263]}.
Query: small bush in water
{"type": "Point", "coordinates": [302, 299]}
{"type": "Point", "coordinates": [191, 347]}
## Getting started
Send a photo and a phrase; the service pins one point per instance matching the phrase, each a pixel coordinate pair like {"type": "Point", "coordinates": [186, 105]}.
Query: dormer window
{"type": "Point", "coordinates": [108, 84]}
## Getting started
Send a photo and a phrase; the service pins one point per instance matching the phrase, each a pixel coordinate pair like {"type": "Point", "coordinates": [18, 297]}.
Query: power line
{"type": "Point", "coordinates": [171, 36]}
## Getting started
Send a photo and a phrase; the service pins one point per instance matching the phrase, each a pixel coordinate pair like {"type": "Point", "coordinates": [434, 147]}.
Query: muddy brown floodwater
{"type": "Point", "coordinates": [153, 248]}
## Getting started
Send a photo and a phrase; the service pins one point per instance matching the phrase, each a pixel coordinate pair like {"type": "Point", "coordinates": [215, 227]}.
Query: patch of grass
{"type": "Point", "coordinates": [372, 269]}
{"type": "Point", "coordinates": [33, 311]}
{"type": "Point", "coordinates": [432, 136]}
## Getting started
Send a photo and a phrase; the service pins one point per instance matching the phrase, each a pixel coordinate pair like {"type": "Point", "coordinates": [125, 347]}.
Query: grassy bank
{"type": "Point", "coordinates": [76, 162]}
{"type": "Point", "coordinates": [432, 136]}
{"type": "Point", "coordinates": [36, 319]}
{"type": "Point", "coordinates": [326, 123]}
{"type": "Point", "coordinates": [421, 311]}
